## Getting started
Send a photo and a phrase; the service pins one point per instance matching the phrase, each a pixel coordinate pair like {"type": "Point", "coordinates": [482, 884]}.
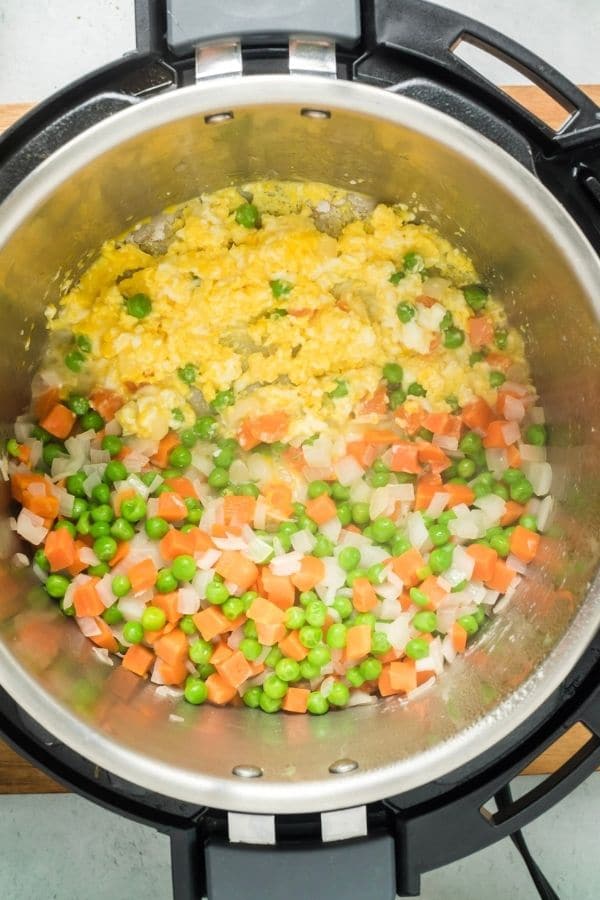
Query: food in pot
{"type": "Point", "coordinates": [283, 447]}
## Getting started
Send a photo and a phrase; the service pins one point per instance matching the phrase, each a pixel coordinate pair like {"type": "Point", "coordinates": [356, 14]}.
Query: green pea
{"type": "Point", "coordinates": [400, 545]}
{"type": "Point", "coordinates": [397, 398]}
{"type": "Point", "coordinates": [466, 468]}
{"type": "Point", "coordinates": [376, 573]}
{"type": "Point", "coordinates": [317, 488]}
{"type": "Point", "coordinates": [166, 582]}
{"type": "Point", "coordinates": [417, 648]}
{"type": "Point", "coordinates": [273, 657]}
{"type": "Point", "coordinates": [216, 592]}
{"type": "Point", "coordinates": [232, 608]}
{"type": "Point", "coordinates": [188, 438]}
{"type": "Point", "coordinates": [379, 479]}
{"type": "Point", "coordinates": [115, 471]}
{"type": "Point", "coordinates": [537, 435]}
{"type": "Point", "coordinates": [195, 690]}
{"type": "Point", "coordinates": [178, 414]}
{"type": "Point", "coordinates": [41, 560]}
{"type": "Point", "coordinates": [74, 484]}
{"type": "Point", "coordinates": [79, 507]}
{"type": "Point", "coordinates": [446, 516]}
{"type": "Point", "coordinates": [393, 373]}
{"type": "Point", "coordinates": [440, 559]}
{"type": "Point", "coordinates": [274, 687]}
{"type": "Point", "coordinates": [223, 399]}
{"type": "Point", "coordinates": [476, 357]}
{"type": "Point", "coordinates": [343, 605]}
{"type": "Point", "coordinates": [413, 262]}
{"type": "Point", "coordinates": [349, 558]}
{"type": "Point", "coordinates": [344, 513]}
{"type": "Point", "coordinates": [323, 546]}
{"type": "Point", "coordinates": [105, 548]}
{"type": "Point", "coordinates": [121, 585]}
{"type": "Point", "coordinates": [500, 490]}
{"type": "Point", "coordinates": [180, 457]}
{"type": "Point", "coordinates": [365, 618]}
{"type": "Point", "coordinates": [439, 534]}
{"type": "Point", "coordinates": [396, 277]}
{"type": "Point", "coordinates": [287, 669]}
{"type": "Point", "coordinates": [453, 338]}
{"type": "Point", "coordinates": [405, 312]}
{"type": "Point", "coordinates": [336, 636]}
{"type": "Point", "coordinates": [112, 444]}
{"type": "Point", "coordinates": [528, 521]}
{"type": "Point", "coordinates": [352, 576]}
{"type": "Point", "coordinates": [122, 530]}
{"type": "Point", "coordinates": [383, 529]}
{"type": "Point", "coordinates": [368, 533]}
{"type": "Point", "coordinates": [370, 668]}
{"type": "Point", "coordinates": [153, 618]}
{"type": "Point", "coordinates": [497, 378]}
{"type": "Point", "coordinates": [250, 648]}
{"type": "Point", "coordinates": [355, 677]}
{"type": "Point", "coordinates": [447, 321]}
{"type": "Point", "coordinates": [247, 215]}
{"type": "Point", "coordinates": [512, 476]}
{"type": "Point", "coordinates": [425, 621]}
{"type": "Point", "coordinates": [338, 694]}
{"type": "Point", "coordinates": [522, 491]}
{"type": "Point", "coordinates": [470, 443]}
{"type": "Point", "coordinates": [469, 623]}
{"type": "Point", "coordinates": [218, 478]}
{"type": "Point", "coordinates": [418, 597]}
{"type": "Point", "coordinates": [339, 492]}
{"type": "Point", "coordinates": [307, 597]}
{"type": "Point", "coordinates": [139, 306]}
{"type": "Point", "coordinates": [476, 296]}
{"type": "Point", "coordinates": [416, 390]}
{"type": "Point", "coordinates": [360, 513]}
{"type": "Point", "coordinates": [295, 617]}
{"type": "Point", "coordinates": [91, 421]}
{"type": "Point", "coordinates": [133, 632]}
{"type": "Point", "coordinates": [78, 404]}
{"type": "Point", "coordinates": [279, 287]}
{"type": "Point", "coordinates": [319, 655]}
{"type": "Point", "coordinates": [156, 527]}
{"type": "Point", "coordinates": [187, 625]}
{"type": "Point", "coordinates": [200, 652]}
{"type": "Point", "coordinates": [74, 360]}
{"type": "Point", "coordinates": [317, 704]}
{"type": "Point", "coordinates": [206, 670]}
{"type": "Point", "coordinates": [187, 373]}
{"type": "Point", "coordinates": [310, 636]}
{"type": "Point", "coordinates": [101, 493]}
{"type": "Point", "coordinates": [251, 697]}
{"type": "Point", "coordinates": [501, 338]}
{"type": "Point", "coordinates": [51, 452]}
{"type": "Point", "coordinates": [112, 615]}
{"type": "Point", "coordinates": [205, 427]}
{"type": "Point", "coordinates": [183, 567]}
{"type": "Point", "coordinates": [341, 390]}
{"type": "Point", "coordinates": [224, 458]}
{"type": "Point", "coordinates": [316, 613]}
{"type": "Point", "coordinates": [501, 544]}
{"type": "Point", "coordinates": [56, 586]}
{"type": "Point", "coordinates": [102, 513]}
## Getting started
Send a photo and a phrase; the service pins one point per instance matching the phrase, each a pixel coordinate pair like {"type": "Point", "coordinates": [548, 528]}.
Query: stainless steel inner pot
{"type": "Point", "coordinates": [165, 150]}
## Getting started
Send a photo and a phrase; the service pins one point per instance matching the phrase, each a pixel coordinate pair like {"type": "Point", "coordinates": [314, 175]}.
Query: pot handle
{"type": "Point", "coordinates": [267, 22]}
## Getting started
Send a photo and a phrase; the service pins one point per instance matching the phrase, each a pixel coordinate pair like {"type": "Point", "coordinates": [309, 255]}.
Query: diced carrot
{"type": "Point", "coordinates": [161, 457]}
{"type": "Point", "coordinates": [499, 361]}
{"type": "Point", "coordinates": [86, 599]}
{"type": "Point", "coordinates": [311, 572]}
{"type": "Point", "coordinates": [262, 610]}
{"type": "Point", "coordinates": [168, 604]}
{"type": "Point", "coordinates": [119, 497]}
{"type": "Point", "coordinates": [364, 597]}
{"type": "Point", "coordinates": [59, 421]}
{"type": "Point", "coordinates": [210, 622]}
{"type": "Point", "coordinates": [443, 423]}
{"type": "Point", "coordinates": [512, 512]}
{"type": "Point", "coordinates": [77, 565]}
{"type": "Point", "coordinates": [407, 565]}
{"type": "Point", "coordinates": [296, 700]}
{"type": "Point", "coordinates": [24, 453]}
{"type": "Point", "coordinates": [124, 452]}
{"type": "Point", "coordinates": [411, 420]}
{"type": "Point", "coordinates": [380, 436]}
{"type": "Point", "coordinates": [292, 647]}
{"type": "Point", "coordinates": [433, 456]}
{"type": "Point", "coordinates": [45, 506]}
{"type": "Point", "coordinates": [106, 638]}
{"type": "Point", "coordinates": [377, 403]}
{"type": "Point", "coordinates": [477, 415]}
{"type": "Point", "coordinates": [235, 669]}
{"type": "Point", "coordinates": [405, 458]}
{"type": "Point", "coordinates": [45, 402]}
{"type": "Point", "coordinates": [106, 402]}
{"type": "Point", "coordinates": [265, 429]}
{"type": "Point", "coordinates": [257, 668]}
{"type": "Point", "coordinates": [171, 507]}
{"type": "Point", "coordinates": [458, 493]}
{"type": "Point", "coordinates": [524, 543]}
{"type": "Point", "coordinates": [364, 454]}
{"type": "Point", "coordinates": [172, 673]}
{"type": "Point", "coordinates": [20, 481]}
{"type": "Point", "coordinates": [60, 549]}
{"type": "Point", "coordinates": [120, 554]}
{"type": "Point", "coordinates": [459, 637]}
{"type": "Point", "coordinates": [389, 655]}
{"type": "Point", "coordinates": [142, 575]}
{"type": "Point", "coordinates": [279, 497]}
{"type": "Point", "coordinates": [278, 588]}
{"type": "Point", "coordinates": [239, 510]}
{"type": "Point", "coordinates": [293, 458]}
{"type": "Point", "coordinates": [138, 659]}
{"type": "Point", "coordinates": [358, 641]}
{"type": "Point", "coordinates": [403, 675]}
{"type": "Point", "coordinates": [152, 637]}
{"type": "Point", "coordinates": [172, 647]}
{"type": "Point", "coordinates": [384, 683]}
{"type": "Point", "coordinates": [177, 543]}
{"type": "Point", "coordinates": [432, 589]}
{"type": "Point", "coordinates": [485, 561]}
{"type": "Point", "coordinates": [182, 486]}
{"type": "Point", "coordinates": [502, 577]}
{"type": "Point", "coordinates": [221, 652]}
{"type": "Point", "coordinates": [321, 509]}
{"type": "Point", "coordinates": [269, 634]}
{"type": "Point", "coordinates": [235, 567]}
{"type": "Point", "coordinates": [202, 540]}
{"type": "Point", "coordinates": [481, 331]}
{"type": "Point", "coordinates": [428, 485]}
{"type": "Point", "coordinates": [513, 456]}
{"type": "Point", "coordinates": [220, 691]}
{"type": "Point", "coordinates": [494, 436]}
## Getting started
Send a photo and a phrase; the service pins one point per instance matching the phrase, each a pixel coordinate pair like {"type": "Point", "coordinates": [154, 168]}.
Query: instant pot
{"type": "Point", "coordinates": [369, 96]}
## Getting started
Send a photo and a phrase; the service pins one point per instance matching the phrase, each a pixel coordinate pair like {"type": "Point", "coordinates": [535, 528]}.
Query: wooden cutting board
{"type": "Point", "coordinates": [18, 777]}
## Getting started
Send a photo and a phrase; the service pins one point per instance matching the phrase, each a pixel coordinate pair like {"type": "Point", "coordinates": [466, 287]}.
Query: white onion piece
{"type": "Point", "coordinates": [353, 539]}
{"type": "Point", "coordinates": [208, 558]}
{"type": "Point", "coordinates": [104, 591]}
{"type": "Point", "coordinates": [318, 453]}
{"type": "Point", "coordinates": [492, 506]}
{"type": "Point", "coordinates": [259, 550]}
{"type": "Point", "coordinates": [361, 698]}
{"type": "Point", "coordinates": [188, 601]}
{"type": "Point", "coordinates": [537, 415]}
{"type": "Point", "coordinates": [230, 542]}
{"type": "Point", "coordinates": [417, 530]}
{"type": "Point", "coordinates": [202, 462]}
{"type": "Point", "coordinates": [326, 686]}
{"type": "Point", "coordinates": [236, 637]}
{"type": "Point", "coordinates": [425, 664]}
{"type": "Point", "coordinates": [517, 564]}
{"type": "Point", "coordinates": [437, 504]}
{"type": "Point", "coordinates": [462, 561]}
{"type": "Point", "coordinates": [40, 574]}
{"type": "Point", "coordinates": [333, 579]}
{"type": "Point", "coordinates": [511, 433]}
{"type": "Point", "coordinates": [475, 591]}
{"type": "Point", "coordinates": [514, 409]}
{"type": "Point", "coordinates": [288, 564]}
{"type": "Point", "coordinates": [496, 460]}
{"type": "Point", "coordinates": [360, 492]}
{"type": "Point", "coordinates": [131, 608]}
{"type": "Point", "coordinates": [398, 631]}
{"type": "Point", "coordinates": [65, 501]}
{"type": "Point", "coordinates": [103, 656]}
{"type": "Point", "coordinates": [22, 430]}
{"type": "Point", "coordinates": [372, 554]}
{"type": "Point", "coordinates": [448, 649]}
{"type": "Point", "coordinates": [93, 479]}
{"type": "Point", "coordinates": [332, 529]}
{"type": "Point", "coordinates": [260, 513]}
{"type": "Point", "coordinates": [348, 470]}
{"type": "Point", "coordinates": [430, 316]}
{"type": "Point", "coordinates": [99, 456]}
{"type": "Point", "coordinates": [445, 441]}
{"type": "Point", "coordinates": [201, 580]}
{"type": "Point", "coordinates": [20, 560]}
{"type": "Point", "coordinates": [446, 616]}
{"type": "Point", "coordinates": [532, 453]}
{"type": "Point", "coordinates": [35, 452]}
{"type": "Point", "coordinates": [540, 476]}
{"type": "Point", "coordinates": [490, 597]}
{"type": "Point", "coordinates": [31, 527]}
{"type": "Point", "coordinates": [155, 676]}
{"type": "Point", "coordinates": [238, 472]}
{"type": "Point", "coordinates": [303, 541]}
{"type": "Point", "coordinates": [88, 625]}
{"type": "Point", "coordinates": [516, 388]}
{"type": "Point", "coordinates": [390, 608]}
{"type": "Point", "coordinates": [544, 512]}
{"type": "Point", "coordinates": [381, 502]}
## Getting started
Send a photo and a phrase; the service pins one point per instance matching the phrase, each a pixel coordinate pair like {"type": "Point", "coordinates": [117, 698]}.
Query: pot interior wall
{"type": "Point", "coordinates": [525, 262]}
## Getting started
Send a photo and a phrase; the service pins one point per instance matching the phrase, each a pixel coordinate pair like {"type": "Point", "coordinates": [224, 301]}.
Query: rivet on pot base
{"type": "Point", "coordinates": [315, 113]}
{"type": "Point", "coordinates": [343, 766]}
{"type": "Point", "coordinates": [247, 771]}
{"type": "Point", "coordinates": [216, 118]}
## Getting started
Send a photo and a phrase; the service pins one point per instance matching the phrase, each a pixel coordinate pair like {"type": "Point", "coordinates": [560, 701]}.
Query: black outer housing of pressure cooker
{"type": "Point", "coordinates": [405, 47]}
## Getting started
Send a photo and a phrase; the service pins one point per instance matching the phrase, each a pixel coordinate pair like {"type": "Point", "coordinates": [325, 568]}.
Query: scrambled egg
{"type": "Point", "coordinates": [213, 307]}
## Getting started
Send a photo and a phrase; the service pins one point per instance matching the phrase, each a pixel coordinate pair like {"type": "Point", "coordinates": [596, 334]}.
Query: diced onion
{"type": "Point", "coordinates": [544, 512]}
{"type": "Point", "coordinates": [188, 601]}
{"type": "Point", "coordinates": [448, 649]}
{"type": "Point", "coordinates": [318, 453]}
{"type": "Point", "coordinates": [397, 632]}
{"type": "Point", "coordinates": [326, 686]}
{"type": "Point", "coordinates": [260, 513]}
{"type": "Point", "coordinates": [259, 550]}
{"type": "Point", "coordinates": [540, 476]}
{"type": "Point", "coordinates": [514, 410]}
{"type": "Point", "coordinates": [230, 542]}
{"type": "Point", "coordinates": [288, 564]}
{"type": "Point", "coordinates": [303, 541]}
{"type": "Point", "coordinates": [468, 526]}
{"type": "Point", "coordinates": [99, 456]}
{"type": "Point", "coordinates": [20, 560]}
{"type": "Point", "coordinates": [496, 460]}
{"type": "Point", "coordinates": [23, 430]}
{"type": "Point", "coordinates": [445, 442]}
{"type": "Point", "coordinates": [65, 502]}
{"type": "Point", "coordinates": [421, 689]}
{"type": "Point", "coordinates": [88, 625]}
{"type": "Point", "coordinates": [361, 698]}
{"type": "Point", "coordinates": [207, 559]}
{"type": "Point", "coordinates": [492, 506]}
{"type": "Point", "coordinates": [417, 530]}
{"type": "Point", "coordinates": [437, 504]}
{"type": "Point", "coordinates": [511, 433]}
{"type": "Point", "coordinates": [513, 562]}
{"type": "Point", "coordinates": [238, 472]}
{"type": "Point", "coordinates": [332, 529]}
{"type": "Point", "coordinates": [348, 470]}
{"type": "Point", "coordinates": [532, 453]}
{"type": "Point", "coordinates": [131, 608]}
{"type": "Point", "coordinates": [103, 656]}
{"type": "Point", "coordinates": [93, 479]}
{"type": "Point", "coordinates": [104, 591]}
{"type": "Point", "coordinates": [490, 597]}
{"type": "Point", "coordinates": [31, 527]}
{"type": "Point", "coordinates": [200, 582]}
{"type": "Point", "coordinates": [360, 492]}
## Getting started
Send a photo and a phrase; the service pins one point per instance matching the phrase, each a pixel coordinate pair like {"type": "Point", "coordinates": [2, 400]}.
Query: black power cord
{"type": "Point", "coordinates": [545, 890]}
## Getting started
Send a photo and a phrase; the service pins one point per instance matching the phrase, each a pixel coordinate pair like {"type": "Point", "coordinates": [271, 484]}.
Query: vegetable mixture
{"type": "Point", "coordinates": [283, 450]}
